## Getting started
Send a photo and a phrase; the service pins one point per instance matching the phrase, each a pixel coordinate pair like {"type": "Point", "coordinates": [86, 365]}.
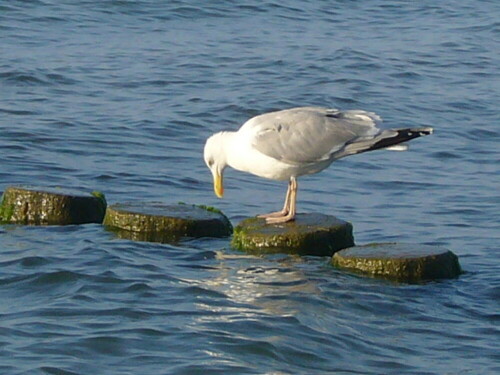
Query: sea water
{"type": "Point", "coordinates": [119, 96]}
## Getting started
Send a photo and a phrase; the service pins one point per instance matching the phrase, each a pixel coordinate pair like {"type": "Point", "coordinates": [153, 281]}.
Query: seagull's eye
{"type": "Point", "coordinates": [210, 162]}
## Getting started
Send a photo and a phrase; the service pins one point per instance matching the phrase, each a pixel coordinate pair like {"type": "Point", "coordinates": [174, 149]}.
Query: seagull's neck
{"type": "Point", "coordinates": [226, 145]}
{"type": "Point", "coordinates": [239, 153]}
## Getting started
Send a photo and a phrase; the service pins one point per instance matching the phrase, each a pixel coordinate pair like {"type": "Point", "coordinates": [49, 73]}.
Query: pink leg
{"type": "Point", "coordinates": [285, 209]}
{"type": "Point", "coordinates": [292, 206]}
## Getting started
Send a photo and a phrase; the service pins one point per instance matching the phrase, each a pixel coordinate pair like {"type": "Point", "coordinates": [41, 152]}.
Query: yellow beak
{"type": "Point", "coordinates": [218, 187]}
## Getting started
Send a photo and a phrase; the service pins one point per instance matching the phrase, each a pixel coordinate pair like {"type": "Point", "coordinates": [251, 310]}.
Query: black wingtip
{"type": "Point", "coordinates": [402, 135]}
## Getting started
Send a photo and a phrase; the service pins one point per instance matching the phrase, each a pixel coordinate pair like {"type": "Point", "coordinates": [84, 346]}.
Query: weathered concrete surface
{"type": "Point", "coordinates": [158, 222]}
{"type": "Point", "coordinates": [51, 206]}
{"type": "Point", "coordinates": [308, 234]}
{"type": "Point", "coordinates": [411, 263]}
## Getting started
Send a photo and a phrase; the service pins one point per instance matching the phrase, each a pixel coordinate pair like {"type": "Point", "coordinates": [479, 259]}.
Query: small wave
{"type": "Point", "coordinates": [446, 155]}
{"type": "Point", "coordinates": [36, 78]}
{"type": "Point", "coordinates": [190, 12]}
{"type": "Point", "coordinates": [23, 78]}
{"type": "Point", "coordinates": [34, 261]}
{"type": "Point", "coordinates": [105, 345]}
{"type": "Point", "coordinates": [57, 277]}
{"type": "Point", "coordinates": [203, 292]}
{"type": "Point", "coordinates": [30, 261]}
{"type": "Point", "coordinates": [139, 287]}
{"type": "Point", "coordinates": [406, 75]}
{"type": "Point", "coordinates": [57, 371]}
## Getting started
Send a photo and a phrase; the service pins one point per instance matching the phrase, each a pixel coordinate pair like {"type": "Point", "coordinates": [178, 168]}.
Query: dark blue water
{"type": "Point", "coordinates": [119, 96]}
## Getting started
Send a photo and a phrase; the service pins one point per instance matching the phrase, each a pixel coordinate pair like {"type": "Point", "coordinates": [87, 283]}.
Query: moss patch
{"type": "Point", "coordinates": [163, 223]}
{"type": "Point", "coordinates": [309, 234]}
{"type": "Point", "coordinates": [209, 208]}
{"type": "Point", "coordinates": [100, 195]}
{"type": "Point", "coordinates": [41, 206]}
{"type": "Point", "coordinates": [399, 262]}
{"type": "Point", "coordinates": [6, 211]}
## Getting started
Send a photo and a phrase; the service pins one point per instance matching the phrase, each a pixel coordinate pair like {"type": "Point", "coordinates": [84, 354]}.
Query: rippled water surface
{"type": "Point", "coordinates": [119, 96]}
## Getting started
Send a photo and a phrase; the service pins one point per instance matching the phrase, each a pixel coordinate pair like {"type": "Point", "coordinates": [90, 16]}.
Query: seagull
{"type": "Point", "coordinates": [286, 144]}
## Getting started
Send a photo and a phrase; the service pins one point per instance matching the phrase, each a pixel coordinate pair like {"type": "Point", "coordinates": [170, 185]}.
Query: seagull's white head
{"type": "Point", "coordinates": [215, 158]}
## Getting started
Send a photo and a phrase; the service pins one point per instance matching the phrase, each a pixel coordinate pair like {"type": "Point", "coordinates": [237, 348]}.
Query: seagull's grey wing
{"type": "Point", "coordinates": [309, 134]}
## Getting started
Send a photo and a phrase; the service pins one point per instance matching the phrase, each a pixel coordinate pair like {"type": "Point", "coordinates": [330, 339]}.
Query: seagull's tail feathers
{"type": "Point", "coordinates": [391, 139]}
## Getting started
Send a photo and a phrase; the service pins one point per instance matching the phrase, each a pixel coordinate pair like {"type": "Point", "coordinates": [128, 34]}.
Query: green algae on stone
{"type": "Point", "coordinates": [100, 195]}
{"type": "Point", "coordinates": [158, 222]}
{"type": "Point", "coordinates": [308, 234]}
{"type": "Point", "coordinates": [203, 206]}
{"type": "Point", "coordinates": [50, 206]}
{"type": "Point", "coordinates": [410, 263]}
{"type": "Point", "coordinates": [209, 208]}
{"type": "Point", "coordinates": [6, 210]}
